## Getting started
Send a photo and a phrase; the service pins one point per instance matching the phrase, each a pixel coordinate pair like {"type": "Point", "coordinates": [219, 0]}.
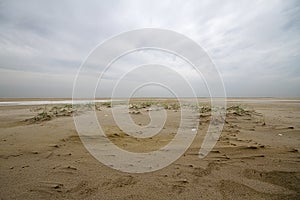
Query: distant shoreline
{"type": "Point", "coordinates": [49, 101]}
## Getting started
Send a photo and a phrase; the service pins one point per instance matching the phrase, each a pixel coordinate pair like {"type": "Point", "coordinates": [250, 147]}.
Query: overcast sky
{"type": "Point", "coordinates": [254, 44]}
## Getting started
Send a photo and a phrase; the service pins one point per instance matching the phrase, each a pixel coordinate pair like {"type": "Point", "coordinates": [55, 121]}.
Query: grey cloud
{"type": "Point", "coordinates": [253, 43]}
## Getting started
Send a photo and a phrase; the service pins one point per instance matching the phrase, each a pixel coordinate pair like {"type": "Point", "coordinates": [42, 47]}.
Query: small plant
{"type": "Point", "coordinates": [68, 106]}
{"type": "Point", "coordinates": [172, 106]}
{"type": "Point", "coordinates": [204, 109]}
{"type": "Point", "coordinates": [55, 111]}
{"type": "Point", "coordinates": [135, 106]}
{"type": "Point", "coordinates": [237, 110]}
{"type": "Point", "coordinates": [145, 104]}
{"type": "Point", "coordinates": [43, 116]}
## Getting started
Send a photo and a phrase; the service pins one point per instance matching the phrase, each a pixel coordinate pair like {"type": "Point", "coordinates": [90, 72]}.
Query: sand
{"type": "Point", "coordinates": [256, 157]}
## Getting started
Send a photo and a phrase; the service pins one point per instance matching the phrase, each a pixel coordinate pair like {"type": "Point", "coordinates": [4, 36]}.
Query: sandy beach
{"type": "Point", "coordinates": [256, 157]}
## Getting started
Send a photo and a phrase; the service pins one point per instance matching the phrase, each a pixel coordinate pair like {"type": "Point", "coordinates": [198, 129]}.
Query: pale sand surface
{"type": "Point", "coordinates": [256, 157]}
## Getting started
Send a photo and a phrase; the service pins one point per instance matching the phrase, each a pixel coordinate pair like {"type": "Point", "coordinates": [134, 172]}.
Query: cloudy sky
{"type": "Point", "coordinates": [255, 45]}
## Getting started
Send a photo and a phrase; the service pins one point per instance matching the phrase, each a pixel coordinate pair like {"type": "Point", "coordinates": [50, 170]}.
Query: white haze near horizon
{"type": "Point", "coordinates": [254, 44]}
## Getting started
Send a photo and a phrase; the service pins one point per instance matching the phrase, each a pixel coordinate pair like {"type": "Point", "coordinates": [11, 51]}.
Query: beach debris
{"type": "Point", "coordinates": [141, 105]}
{"type": "Point", "coordinates": [284, 127]}
{"type": "Point", "coordinates": [54, 145]}
{"type": "Point", "coordinates": [135, 112]}
{"type": "Point", "coordinates": [49, 154]}
{"type": "Point", "coordinates": [173, 106]}
{"type": "Point", "coordinates": [147, 105]}
{"type": "Point", "coordinates": [280, 134]}
{"type": "Point", "coordinates": [53, 185]}
{"type": "Point", "coordinates": [293, 150]}
{"type": "Point", "coordinates": [238, 110]}
{"type": "Point", "coordinates": [184, 180]}
{"type": "Point", "coordinates": [43, 116]}
{"type": "Point", "coordinates": [57, 186]}
{"type": "Point", "coordinates": [72, 167]}
{"type": "Point", "coordinates": [252, 147]}
{"type": "Point", "coordinates": [204, 109]}
{"type": "Point", "coordinates": [47, 114]}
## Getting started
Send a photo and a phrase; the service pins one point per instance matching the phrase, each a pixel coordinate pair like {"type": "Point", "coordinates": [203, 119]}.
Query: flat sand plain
{"type": "Point", "coordinates": [256, 157]}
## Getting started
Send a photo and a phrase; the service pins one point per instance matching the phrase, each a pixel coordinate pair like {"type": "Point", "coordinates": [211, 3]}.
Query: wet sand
{"type": "Point", "coordinates": [256, 157]}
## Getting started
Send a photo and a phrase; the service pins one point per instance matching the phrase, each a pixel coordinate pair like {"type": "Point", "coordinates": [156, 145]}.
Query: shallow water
{"type": "Point", "coordinates": [262, 100]}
